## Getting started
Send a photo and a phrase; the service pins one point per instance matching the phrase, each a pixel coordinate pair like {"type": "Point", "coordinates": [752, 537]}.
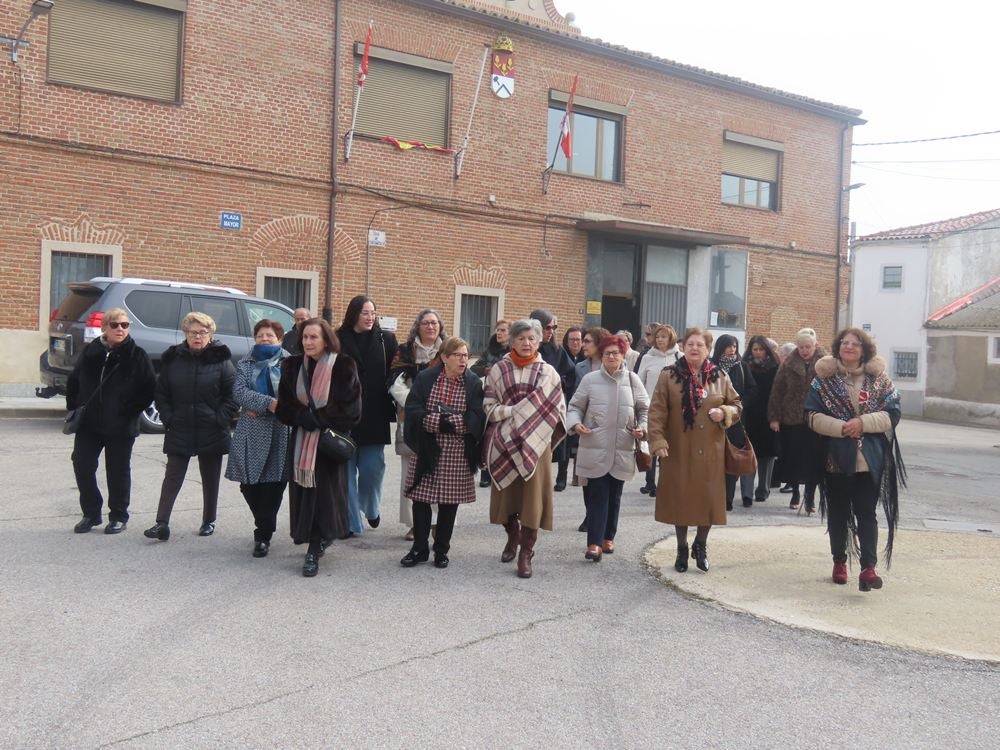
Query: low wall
{"type": "Point", "coordinates": [962, 412]}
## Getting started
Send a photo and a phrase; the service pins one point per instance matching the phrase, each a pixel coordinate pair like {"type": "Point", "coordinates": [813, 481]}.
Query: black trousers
{"type": "Point", "coordinates": [87, 447]}
{"type": "Point", "coordinates": [210, 468]}
{"type": "Point", "coordinates": [264, 500]}
{"type": "Point", "coordinates": [846, 495]}
{"type": "Point", "coordinates": [422, 526]}
{"type": "Point", "coordinates": [603, 498]}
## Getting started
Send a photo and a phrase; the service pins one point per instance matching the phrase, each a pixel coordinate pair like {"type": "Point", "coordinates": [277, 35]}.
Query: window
{"type": "Point", "coordinates": [664, 292]}
{"type": "Point", "coordinates": [289, 287]}
{"type": "Point", "coordinates": [596, 129]}
{"type": "Point", "coordinates": [892, 277]}
{"type": "Point", "coordinates": [68, 267]}
{"type": "Point", "coordinates": [904, 365]}
{"type": "Point", "coordinates": [222, 311]}
{"type": "Point", "coordinates": [750, 171]}
{"type": "Point", "coordinates": [728, 290]}
{"type": "Point", "coordinates": [155, 309]}
{"type": "Point", "coordinates": [122, 46]}
{"type": "Point", "coordinates": [993, 353]}
{"type": "Point", "coordinates": [476, 313]}
{"type": "Point", "coordinates": [258, 311]}
{"type": "Point", "coordinates": [406, 97]}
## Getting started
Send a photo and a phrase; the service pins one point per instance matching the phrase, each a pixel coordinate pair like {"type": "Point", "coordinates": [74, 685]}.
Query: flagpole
{"type": "Point", "coordinates": [460, 156]}
{"type": "Point", "coordinates": [547, 172]}
{"type": "Point", "coordinates": [362, 75]}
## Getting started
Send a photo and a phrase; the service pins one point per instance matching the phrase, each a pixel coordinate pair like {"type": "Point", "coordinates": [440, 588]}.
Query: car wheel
{"type": "Point", "coordinates": [149, 420]}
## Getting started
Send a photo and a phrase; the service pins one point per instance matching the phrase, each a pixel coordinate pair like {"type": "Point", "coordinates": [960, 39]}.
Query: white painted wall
{"type": "Point", "coordinates": [895, 316]}
{"type": "Point", "coordinates": [961, 262]}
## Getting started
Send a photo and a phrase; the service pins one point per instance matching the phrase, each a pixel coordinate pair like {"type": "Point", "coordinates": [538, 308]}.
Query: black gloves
{"type": "Point", "coordinates": [307, 421]}
{"type": "Point", "coordinates": [445, 425]}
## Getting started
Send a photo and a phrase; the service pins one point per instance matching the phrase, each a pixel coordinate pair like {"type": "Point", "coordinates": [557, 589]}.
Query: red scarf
{"type": "Point", "coordinates": [520, 361]}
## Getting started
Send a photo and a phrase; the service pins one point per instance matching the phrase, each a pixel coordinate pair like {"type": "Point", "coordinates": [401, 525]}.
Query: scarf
{"type": "Point", "coordinates": [266, 368]}
{"type": "Point", "coordinates": [726, 362]}
{"type": "Point", "coordinates": [520, 361]}
{"type": "Point", "coordinates": [762, 365]}
{"type": "Point", "coordinates": [878, 393]}
{"type": "Point", "coordinates": [693, 388]}
{"type": "Point", "coordinates": [411, 359]}
{"type": "Point", "coordinates": [307, 441]}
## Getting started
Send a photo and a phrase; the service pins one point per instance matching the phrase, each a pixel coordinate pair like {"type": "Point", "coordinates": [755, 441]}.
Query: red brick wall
{"type": "Point", "coordinates": [256, 118]}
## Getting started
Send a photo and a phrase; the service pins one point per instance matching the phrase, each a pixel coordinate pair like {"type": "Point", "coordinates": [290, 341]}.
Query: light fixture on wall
{"type": "Point", "coordinates": [38, 8]}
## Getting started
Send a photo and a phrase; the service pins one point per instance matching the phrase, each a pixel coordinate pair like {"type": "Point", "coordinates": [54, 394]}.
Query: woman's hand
{"type": "Point", "coordinates": [580, 429]}
{"type": "Point", "coordinates": [853, 428]}
{"type": "Point", "coordinates": [273, 405]}
{"type": "Point", "coordinates": [662, 453]}
{"type": "Point", "coordinates": [638, 433]}
{"type": "Point", "coordinates": [716, 414]}
{"type": "Point", "coordinates": [776, 426]}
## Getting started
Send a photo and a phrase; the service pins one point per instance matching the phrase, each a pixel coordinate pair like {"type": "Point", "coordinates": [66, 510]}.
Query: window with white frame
{"type": "Point", "coordinates": [63, 262]}
{"type": "Point", "coordinates": [289, 287]}
{"type": "Point", "coordinates": [751, 171]}
{"type": "Point", "coordinates": [905, 365]}
{"type": "Point", "coordinates": [728, 289]}
{"type": "Point", "coordinates": [892, 277]}
{"type": "Point", "coordinates": [476, 313]}
{"type": "Point", "coordinates": [993, 354]}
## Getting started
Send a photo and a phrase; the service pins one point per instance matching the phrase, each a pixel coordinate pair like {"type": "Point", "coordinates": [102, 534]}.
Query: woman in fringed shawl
{"type": "Point", "coordinates": [317, 494]}
{"type": "Point", "coordinates": [693, 404]}
{"type": "Point", "coordinates": [854, 404]}
{"type": "Point", "coordinates": [526, 416]}
{"type": "Point", "coordinates": [418, 353]}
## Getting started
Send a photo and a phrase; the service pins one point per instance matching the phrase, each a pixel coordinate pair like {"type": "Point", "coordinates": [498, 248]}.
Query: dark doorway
{"type": "Point", "coordinates": [620, 301]}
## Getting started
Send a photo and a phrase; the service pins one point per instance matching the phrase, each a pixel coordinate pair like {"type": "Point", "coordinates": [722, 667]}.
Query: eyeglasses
{"type": "Point", "coordinates": [552, 326]}
{"type": "Point", "coordinates": [611, 354]}
{"type": "Point", "coordinates": [429, 323]}
{"type": "Point", "coordinates": [123, 324]}
{"type": "Point", "coordinates": [198, 334]}
{"type": "Point", "coordinates": [457, 355]}
{"type": "Point", "coordinates": [588, 341]}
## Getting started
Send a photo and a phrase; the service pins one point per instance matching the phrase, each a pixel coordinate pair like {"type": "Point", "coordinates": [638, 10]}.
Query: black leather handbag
{"type": "Point", "coordinates": [74, 419]}
{"type": "Point", "coordinates": [333, 445]}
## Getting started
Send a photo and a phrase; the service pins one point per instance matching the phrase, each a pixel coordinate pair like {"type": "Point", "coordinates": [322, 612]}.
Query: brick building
{"type": "Point", "coordinates": [128, 128]}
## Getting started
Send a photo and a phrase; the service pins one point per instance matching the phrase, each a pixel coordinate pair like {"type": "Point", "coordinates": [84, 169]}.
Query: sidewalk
{"type": "Point", "coordinates": [942, 594]}
{"type": "Point", "coordinates": [12, 407]}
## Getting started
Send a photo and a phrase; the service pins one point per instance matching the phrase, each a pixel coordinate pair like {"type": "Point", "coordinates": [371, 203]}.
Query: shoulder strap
{"type": "Point", "coordinates": [100, 385]}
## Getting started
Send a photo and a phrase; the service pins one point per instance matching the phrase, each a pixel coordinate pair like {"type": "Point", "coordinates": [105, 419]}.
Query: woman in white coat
{"type": "Point", "coordinates": [663, 353]}
{"type": "Point", "coordinates": [608, 412]}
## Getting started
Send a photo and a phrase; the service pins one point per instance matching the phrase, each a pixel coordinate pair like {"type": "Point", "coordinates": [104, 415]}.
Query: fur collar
{"type": "Point", "coordinates": [214, 353]}
{"type": "Point", "coordinates": [830, 365]}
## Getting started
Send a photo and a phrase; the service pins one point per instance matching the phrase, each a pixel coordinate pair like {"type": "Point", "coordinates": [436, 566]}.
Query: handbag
{"type": "Point", "coordinates": [333, 444]}
{"type": "Point", "coordinates": [74, 419]}
{"type": "Point", "coordinates": [740, 462]}
{"type": "Point", "coordinates": [643, 458]}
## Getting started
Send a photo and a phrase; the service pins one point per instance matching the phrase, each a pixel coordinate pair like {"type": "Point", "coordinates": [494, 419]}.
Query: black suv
{"type": "Point", "coordinates": [156, 309]}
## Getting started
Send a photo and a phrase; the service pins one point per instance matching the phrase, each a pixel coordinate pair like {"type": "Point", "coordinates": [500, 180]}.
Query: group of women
{"type": "Point", "coordinates": [509, 413]}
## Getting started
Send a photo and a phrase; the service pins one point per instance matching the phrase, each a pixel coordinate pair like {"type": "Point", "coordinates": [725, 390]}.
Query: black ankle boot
{"type": "Point", "coordinates": [699, 553]}
{"type": "Point", "coordinates": [681, 563]}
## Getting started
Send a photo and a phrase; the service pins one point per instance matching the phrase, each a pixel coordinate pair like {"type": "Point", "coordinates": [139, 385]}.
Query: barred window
{"type": "Point", "coordinates": [905, 365]}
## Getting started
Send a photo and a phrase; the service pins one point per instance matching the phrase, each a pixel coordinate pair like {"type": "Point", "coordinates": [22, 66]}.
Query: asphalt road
{"type": "Point", "coordinates": [125, 642]}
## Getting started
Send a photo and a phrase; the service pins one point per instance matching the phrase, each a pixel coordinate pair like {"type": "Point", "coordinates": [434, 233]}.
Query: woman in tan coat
{"type": "Point", "coordinates": [693, 404]}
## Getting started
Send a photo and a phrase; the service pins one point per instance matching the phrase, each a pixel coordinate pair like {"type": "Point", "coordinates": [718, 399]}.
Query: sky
{"type": "Point", "coordinates": [917, 70]}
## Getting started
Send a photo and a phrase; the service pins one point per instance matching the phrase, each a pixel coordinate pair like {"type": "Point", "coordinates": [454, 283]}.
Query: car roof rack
{"type": "Point", "coordinates": [172, 284]}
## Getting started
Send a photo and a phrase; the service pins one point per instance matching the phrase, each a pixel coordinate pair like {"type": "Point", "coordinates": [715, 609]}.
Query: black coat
{"type": "Point", "coordinates": [745, 385]}
{"type": "Point", "coordinates": [424, 443]}
{"type": "Point", "coordinates": [495, 351]}
{"type": "Point", "coordinates": [372, 352]}
{"type": "Point", "coordinates": [194, 394]}
{"type": "Point", "coordinates": [128, 389]}
{"type": "Point", "coordinates": [764, 439]}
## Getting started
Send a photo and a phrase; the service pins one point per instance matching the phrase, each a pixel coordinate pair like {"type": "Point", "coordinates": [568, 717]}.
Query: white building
{"type": "Point", "coordinates": [900, 277]}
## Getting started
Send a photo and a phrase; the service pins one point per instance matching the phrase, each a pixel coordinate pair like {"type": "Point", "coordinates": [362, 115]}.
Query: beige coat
{"type": "Point", "coordinates": [607, 404]}
{"type": "Point", "coordinates": [691, 489]}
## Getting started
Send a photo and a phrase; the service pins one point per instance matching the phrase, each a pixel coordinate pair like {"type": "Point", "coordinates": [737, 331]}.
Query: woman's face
{"type": "Point", "coordinates": [456, 362]}
{"type": "Point", "coordinates": [116, 330]}
{"type": "Point", "coordinates": [430, 328]}
{"type": "Point", "coordinates": [695, 351]}
{"type": "Point", "coordinates": [312, 341]}
{"type": "Point", "coordinates": [663, 341]}
{"type": "Point", "coordinates": [197, 336]}
{"type": "Point", "coordinates": [612, 358]}
{"type": "Point", "coordinates": [851, 350]}
{"type": "Point", "coordinates": [526, 343]}
{"type": "Point", "coordinates": [806, 349]}
{"type": "Point", "coordinates": [589, 346]}
{"type": "Point", "coordinates": [550, 330]}
{"type": "Point", "coordinates": [758, 352]}
{"type": "Point", "coordinates": [366, 318]}
{"type": "Point", "coordinates": [730, 351]}
{"type": "Point", "coordinates": [503, 334]}
{"type": "Point", "coordinates": [574, 342]}
{"type": "Point", "coordinates": [265, 335]}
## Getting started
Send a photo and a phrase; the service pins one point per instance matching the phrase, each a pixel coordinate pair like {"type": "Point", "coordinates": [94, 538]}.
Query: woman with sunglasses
{"type": "Point", "coordinates": [194, 394]}
{"type": "Point", "coordinates": [115, 379]}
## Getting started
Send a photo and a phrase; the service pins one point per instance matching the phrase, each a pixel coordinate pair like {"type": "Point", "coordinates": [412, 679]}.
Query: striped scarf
{"type": "Point", "coordinates": [307, 441]}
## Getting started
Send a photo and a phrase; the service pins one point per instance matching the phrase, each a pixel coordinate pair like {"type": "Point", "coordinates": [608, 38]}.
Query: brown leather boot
{"type": "Point", "coordinates": [513, 529]}
{"type": "Point", "coordinates": [528, 537]}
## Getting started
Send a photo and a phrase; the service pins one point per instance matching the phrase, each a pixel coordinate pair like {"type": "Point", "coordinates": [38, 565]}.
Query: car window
{"type": "Point", "coordinates": [155, 309]}
{"type": "Point", "coordinates": [78, 303]}
{"type": "Point", "coordinates": [222, 311]}
{"type": "Point", "coordinates": [257, 311]}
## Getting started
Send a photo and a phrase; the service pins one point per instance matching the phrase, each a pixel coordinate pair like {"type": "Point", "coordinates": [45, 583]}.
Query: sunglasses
{"type": "Point", "coordinates": [551, 327]}
{"type": "Point", "coordinates": [123, 324]}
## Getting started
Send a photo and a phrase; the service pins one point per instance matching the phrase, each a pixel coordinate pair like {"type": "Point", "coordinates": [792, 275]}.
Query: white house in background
{"type": "Point", "coordinates": [901, 276]}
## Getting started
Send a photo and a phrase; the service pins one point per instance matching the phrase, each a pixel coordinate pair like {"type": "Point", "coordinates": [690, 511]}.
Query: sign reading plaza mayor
{"type": "Point", "coordinates": [229, 220]}
{"type": "Point", "coordinates": [502, 77]}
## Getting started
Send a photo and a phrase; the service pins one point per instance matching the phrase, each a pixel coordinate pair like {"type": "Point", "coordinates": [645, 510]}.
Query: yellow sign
{"type": "Point", "coordinates": [593, 307]}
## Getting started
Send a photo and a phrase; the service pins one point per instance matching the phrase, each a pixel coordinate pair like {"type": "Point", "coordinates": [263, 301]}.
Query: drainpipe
{"type": "Point", "coordinates": [841, 190]}
{"type": "Point", "coordinates": [330, 240]}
